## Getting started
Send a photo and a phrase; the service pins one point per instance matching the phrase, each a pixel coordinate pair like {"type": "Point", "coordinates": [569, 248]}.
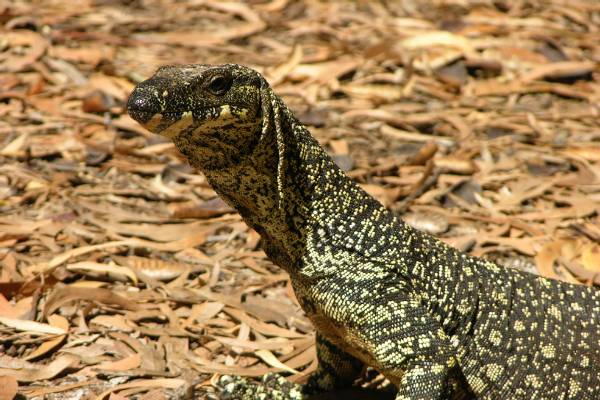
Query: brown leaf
{"type": "Point", "coordinates": [144, 383]}
{"type": "Point", "coordinates": [32, 327]}
{"type": "Point", "coordinates": [208, 209]}
{"type": "Point", "coordinates": [154, 268]}
{"type": "Point", "coordinates": [99, 270]}
{"type": "Point", "coordinates": [590, 153]}
{"type": "Point", "coordinates": [261, 326]}
{"type": "Point", "coordinates": [125, 364]}
{"type": "Point", "coordinates": [271, 360]}
{"type": "Point", "coordinates": [113, 322]}
{"type": "Point", "coordinates": [560, 70]}
{"type": "Point", "coordinates": [590, 257]}
{"type": "Point", "coordinates": [25, 47]}
{"type": "Point", "coordinates": [40, 372]}
{"type": "Point", "coordinates": [456, 165]}
{"type": "Point", "coordinates": [279, 72]}
{"type": "Point", "coordinates": [6, 309]}
{"type": "Point", "coordinates": [86, 55]}
{"type": "Point", "coordinates": [96, 102]}
{"type": "Point", "coordinates": [546, 258]}
{"type": "Point", "coordinates": [66, 294]}
{"type": "Point", "coordinates": [8, 387]}
{"type": "Point", "coordinates": [49, 345]}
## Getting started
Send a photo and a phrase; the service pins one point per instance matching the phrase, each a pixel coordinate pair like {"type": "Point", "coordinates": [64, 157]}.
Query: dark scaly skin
{"type": "Point", "coordinates": [437, 322]}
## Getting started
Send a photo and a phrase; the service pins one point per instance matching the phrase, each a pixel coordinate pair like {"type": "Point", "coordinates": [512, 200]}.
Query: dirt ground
{"type": "Point", "coordinates": [123, 275]}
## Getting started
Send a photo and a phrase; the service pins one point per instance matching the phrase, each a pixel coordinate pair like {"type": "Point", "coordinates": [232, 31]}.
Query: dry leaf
{"type": "Point", "coordinates": [32, 327]}
{"type": "Point", "coordinates": [590, 257]}
{"type": "Point", "coordinates": [50, 345]}
{"type": "Point", "coordinates": [559, 70]}
{"type": "Point", "coordinates": [125, 364]}
{"type": "Point", "coordinates": [492, 95]}
{"type": "Point", "coordinates": [271, 360]}
{"type": "Point", "coordinates": [41, 372]}
{"type": "Point", "coordinates": [63, 295]}
{"type": "Point", "coordinates": [96, 269]}
{"type": "Point", "coordinates": [6, 309]}
{"type": "Point", "coordinates": [144, 383]}
{"type": "Point", "coordinates": [17, 40]}
{"type": "Point", "coordinates": [8, 387]}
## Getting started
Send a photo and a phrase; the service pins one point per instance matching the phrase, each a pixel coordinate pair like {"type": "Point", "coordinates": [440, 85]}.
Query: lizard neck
{"type": "Point", "coordinates": [291, 192]}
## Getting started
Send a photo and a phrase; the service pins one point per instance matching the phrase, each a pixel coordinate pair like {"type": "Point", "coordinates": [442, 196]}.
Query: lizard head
{"type": "Point", "coordinates": [212, 113]}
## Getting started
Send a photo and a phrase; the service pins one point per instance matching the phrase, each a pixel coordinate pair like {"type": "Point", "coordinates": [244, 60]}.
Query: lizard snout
{"type": "Point", "coordinates": [143, 105]}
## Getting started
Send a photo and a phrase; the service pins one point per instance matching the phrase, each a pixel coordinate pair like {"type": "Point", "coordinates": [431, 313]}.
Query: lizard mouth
{"type": "Point", "coordinates": [140, 116]}
{"type": "Point", "coordinates": [144, 107]}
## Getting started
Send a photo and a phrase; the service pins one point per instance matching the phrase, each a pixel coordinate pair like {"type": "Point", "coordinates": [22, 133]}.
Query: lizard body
{"type": "Point", "coordinates": [438, 323]}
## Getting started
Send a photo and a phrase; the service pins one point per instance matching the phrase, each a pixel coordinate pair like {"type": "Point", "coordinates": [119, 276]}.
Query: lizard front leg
{"type": "Point", "coordinates": [336, 369]}
{"type": "Point", "coordinates": [406, 343]}
{"type": "Point", "coordinates": [424, 380]}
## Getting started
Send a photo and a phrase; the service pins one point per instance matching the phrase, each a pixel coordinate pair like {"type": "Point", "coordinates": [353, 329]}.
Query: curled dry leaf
{"type": "Point", "coordinates": [558, 70]}
{"type": "Point", "coordinates": [271, 360]}
{"type": "Point", "coordinates": [425, 153]}
{"type": "Point", "coordinates": [154, 268]}
{"type": "Point", "coordinates": [37, 373]}
{"type": "Point", "coordinates": [279, 73]}
{"type": "Point", "coordinates": [25, 48]}
{"type": "Point", "coordinates": [253, 24]}
{"type": "Point", "coordinates": [324, 72]}
{"type": "Point", "coordinates": [203, 312]}
{"type": "Point", "coordinates": [66, 294]}
{"type": "Point", "coordinates": [94, 269]}
{"type": "Point", "coordinates": [402, 135]}
{"type": "Point", "coordinates": [261, 327]}
{"type": "Point", "coordinates": [115, 396]}
{"type": "Point", "coordinates": [57, 321]}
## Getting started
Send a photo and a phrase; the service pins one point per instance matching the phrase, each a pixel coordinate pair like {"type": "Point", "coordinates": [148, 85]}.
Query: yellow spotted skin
{"type": "Point", "coordinates": [440, 324]}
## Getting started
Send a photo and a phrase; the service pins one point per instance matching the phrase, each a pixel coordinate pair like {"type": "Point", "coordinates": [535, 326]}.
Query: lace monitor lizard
{"type": "Point", "coordinates": [438, 323]}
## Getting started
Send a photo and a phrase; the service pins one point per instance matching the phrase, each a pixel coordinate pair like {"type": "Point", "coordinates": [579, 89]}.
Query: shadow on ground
{"type": "Point", "coordinates": [356, 394]}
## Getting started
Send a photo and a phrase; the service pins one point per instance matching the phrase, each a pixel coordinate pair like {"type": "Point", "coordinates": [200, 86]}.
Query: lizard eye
{"type": "Point", "coordinates": [219, 84]}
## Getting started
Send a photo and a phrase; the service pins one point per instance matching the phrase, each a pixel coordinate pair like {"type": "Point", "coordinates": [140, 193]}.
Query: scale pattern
{"type": "Point", "coordinates": [438, 323]}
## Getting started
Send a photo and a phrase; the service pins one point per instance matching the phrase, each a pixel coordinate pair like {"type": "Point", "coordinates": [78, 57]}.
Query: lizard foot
{"type": "Point", "coordinates": [272, 387]}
